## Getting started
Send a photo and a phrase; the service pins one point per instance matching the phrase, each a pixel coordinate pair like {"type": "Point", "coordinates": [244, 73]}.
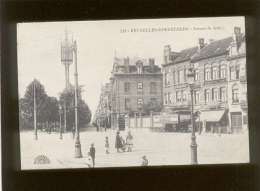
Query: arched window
{"type": "Point", "coordinates": [207, 72]}
{"type": "Point", "coordinates": [215, 74]}
{"type": "Point", "coordinates": [235, 93]}
{"type": "Point", "coordinates": [223, 71]}
{"type": "Point", "coordinates": [207, 96]}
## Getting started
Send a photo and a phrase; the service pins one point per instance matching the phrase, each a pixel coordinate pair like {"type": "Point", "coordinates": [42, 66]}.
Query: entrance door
{"type": "Point", "coordinates": [236, 121]}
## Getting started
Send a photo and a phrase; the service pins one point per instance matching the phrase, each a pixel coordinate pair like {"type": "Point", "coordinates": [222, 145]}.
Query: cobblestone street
{"type": "Point", "coordinates": [160, 149]}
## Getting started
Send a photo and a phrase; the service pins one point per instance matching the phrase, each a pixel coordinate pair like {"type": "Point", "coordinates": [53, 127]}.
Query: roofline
{"type": "Point", "coordinates": [216, 55]}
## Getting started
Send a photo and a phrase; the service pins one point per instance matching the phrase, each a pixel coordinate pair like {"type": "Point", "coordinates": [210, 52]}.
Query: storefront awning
{"type": "Point", "coordinates": [211, 116]}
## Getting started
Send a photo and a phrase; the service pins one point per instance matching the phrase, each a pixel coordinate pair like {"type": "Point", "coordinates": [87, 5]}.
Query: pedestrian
{"type": "Point", "coordinates": [107, 145]}
{"type": "Point", "coordinates": [129, 141]}
{"type": "Point", "coordinates": [144, 161]}
{"type": "Point", "coordinates": [118, 144]}
{"type": "Point", "coordinates": [73, 131]}
{"type": "Point", "coordinates": [92, 152]}
{"type": "Point", "coordinates": [89, 160]}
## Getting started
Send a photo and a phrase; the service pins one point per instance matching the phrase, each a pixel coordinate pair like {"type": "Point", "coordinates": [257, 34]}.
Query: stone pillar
{"type": "Point", "coordinates": [229, 128]}
{"type": "Point", "coordinates": [135, 120]}
{"type": "Point", "coordinates": [151, 119]}
{"type": "Point", "coordinates": [141, 120]}
{"type": "Point", "coordinates": [128, 121]}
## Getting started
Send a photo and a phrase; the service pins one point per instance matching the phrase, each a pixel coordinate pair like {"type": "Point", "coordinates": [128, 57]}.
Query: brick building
{"type": "Point", "coordinates": [135, 87]}
{"type": "Point", "coordinates": [219, 84]}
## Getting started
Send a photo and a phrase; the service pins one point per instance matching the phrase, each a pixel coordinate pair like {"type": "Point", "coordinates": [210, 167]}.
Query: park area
{"type": "Point", "coordinates": [160, 148]}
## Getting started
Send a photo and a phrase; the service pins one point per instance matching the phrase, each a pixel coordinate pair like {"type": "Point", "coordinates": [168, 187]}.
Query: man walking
{"type": "Point", "coordinates": [92, 152]}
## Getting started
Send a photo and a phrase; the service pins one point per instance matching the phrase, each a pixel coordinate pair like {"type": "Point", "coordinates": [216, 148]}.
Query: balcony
{"type": "Point", "coordinates": [214, 105]}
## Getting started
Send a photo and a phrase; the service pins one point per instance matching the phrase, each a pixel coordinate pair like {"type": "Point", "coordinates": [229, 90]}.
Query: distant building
{"type": "Point", "coordinates": [135, 87]}
{"type": "Point", "coordinates": [219, 86]}
{"type": "Point", "coordinates": [103, 111]}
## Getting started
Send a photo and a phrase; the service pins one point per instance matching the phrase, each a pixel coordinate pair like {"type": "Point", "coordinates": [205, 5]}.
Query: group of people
{"type": "Point", "coordinates": [121, 145]}
{"type": "Point", "coordinates": [124, 144]}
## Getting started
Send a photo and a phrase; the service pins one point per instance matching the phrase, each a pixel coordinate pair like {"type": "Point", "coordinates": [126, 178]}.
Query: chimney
{"type": "Point", "coordinates": [167, 54]}
{"type": "Point", "coordinates": [238, 36]}
{"type": "Point", "coordinates": [201, 43]}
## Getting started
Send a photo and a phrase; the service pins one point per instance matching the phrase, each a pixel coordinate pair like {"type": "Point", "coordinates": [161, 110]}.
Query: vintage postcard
{"type": "Point", "coordinates": [124, 93]}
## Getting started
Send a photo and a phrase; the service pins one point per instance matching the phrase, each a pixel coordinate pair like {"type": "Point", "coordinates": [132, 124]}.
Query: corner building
{"type": "Point", "coordinates": [135, 84]}
{"type": "Point", "coordinates": [219, 91]}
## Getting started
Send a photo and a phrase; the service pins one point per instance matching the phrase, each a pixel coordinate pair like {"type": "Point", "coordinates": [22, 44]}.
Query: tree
{"type": "Point", "coordinates": [26, 104]}
{"type": "Point", "coordinates": [84, 114]}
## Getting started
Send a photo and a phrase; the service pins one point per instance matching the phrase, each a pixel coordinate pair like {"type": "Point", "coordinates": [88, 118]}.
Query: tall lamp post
{"type": "Point", "coordinates": [193, 146]}
{"type": "Point", "coordinates": [60, 112]}
{"type": "Point", "coordinates": [78, 153]}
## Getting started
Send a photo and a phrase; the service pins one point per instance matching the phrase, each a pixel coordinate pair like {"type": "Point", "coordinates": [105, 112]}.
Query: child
{"type": "Point", "coordinates": [129, 142]}
{"type": "Point", "coordinates": [144, 161]}
{"type": "Point", "coordinates": [89, 160]}
{"type": "Point", "coordinates": [92, 152]}
{"type": "Point", "coordinates": [107, 145]}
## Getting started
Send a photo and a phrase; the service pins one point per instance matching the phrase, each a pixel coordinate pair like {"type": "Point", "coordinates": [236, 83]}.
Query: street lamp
{"type": "Point", "coordinates": [60, 112]}
{"type": "Point", "coordinates": [191, 76]}
{"type": "Point", "coordinates": [78, 153]}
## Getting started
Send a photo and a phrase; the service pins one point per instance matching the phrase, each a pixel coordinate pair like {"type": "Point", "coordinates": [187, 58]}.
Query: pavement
{"type": "Point", "coordinates": [160, 148]}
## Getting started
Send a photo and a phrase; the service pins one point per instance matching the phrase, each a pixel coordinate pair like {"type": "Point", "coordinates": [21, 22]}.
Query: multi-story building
{"type": "Point", "coordinates": [135, 86]}
{"type": "Point", "coordinates": [219, 89]}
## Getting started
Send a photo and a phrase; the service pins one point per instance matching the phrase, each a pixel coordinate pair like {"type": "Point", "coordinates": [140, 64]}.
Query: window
{"type": "Point", "coordinates": [222, 94]}
{"type": "Point", "coordinates": [167, 79]}
{"type": "Point", "coordinates": [127, 87]}
{"type": "Point", "coordinates": [223, 71]}
{"type": "Point", "coordinates": [215, 73]}
{"type": "Point", "coordinates": [127, 103]}
{"type": "Point", "coordinates": [139, 68]}
{"type": "Point", "coordinates": [207, 96]}
{"type": "Point", "coordinates": [215, 94]}
{"type": "Point", "coordinates": [173, 77]}
{"type": "Point", "coordinates": [207, 74]}
{"type": "Point", "coordinates": [184, 98]}
{"type": "Point", "coordinates": [185, 75]}
{"type": "Point", "coordinates": [140, 102]}
{"type": "Point", "coordinates": [178, 96]}
{"type": "Point", "coordinates": [196, 75]}
{"type": "Point", "coordinates": [153, 88]}
{"type": "Point", "coordinates": [235, 94]}
{"type": "Point", "coordinates": [234, 72]}
{"type": "Point", "coordinates": [165, 99]}
{"type": "Point", "coordinates": [139, 87]}
{"type": "Point", "coordinates": [196, 97]}
{"type": "Point", "coordinates": [169, 98]}
{"type": "Point", "coordinates": [181, 76]}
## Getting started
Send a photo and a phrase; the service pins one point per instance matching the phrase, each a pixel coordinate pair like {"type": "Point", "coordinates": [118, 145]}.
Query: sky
{"type": "Point", "coordinates": [38, 46]}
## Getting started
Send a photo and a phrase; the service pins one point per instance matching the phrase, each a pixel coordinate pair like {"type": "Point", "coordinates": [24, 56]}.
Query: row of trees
{"type": "Point", "coordinates": [49, 108]}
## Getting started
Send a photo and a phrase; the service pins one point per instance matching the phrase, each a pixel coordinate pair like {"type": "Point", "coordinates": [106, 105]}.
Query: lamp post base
{"type": "Point", "coordinates": [78, 153]}
{"type": "Point", "coordinates": [193, 146]}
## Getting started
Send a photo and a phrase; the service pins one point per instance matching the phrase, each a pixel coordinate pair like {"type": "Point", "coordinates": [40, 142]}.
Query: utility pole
{"type": "Point", "coordinates": [34, 112]}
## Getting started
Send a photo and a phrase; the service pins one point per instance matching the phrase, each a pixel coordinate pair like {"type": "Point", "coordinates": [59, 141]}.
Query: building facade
{"type": "Point", "coordinates": [135, 87]}
{"type": "Point", "coordinates": [219, 88]}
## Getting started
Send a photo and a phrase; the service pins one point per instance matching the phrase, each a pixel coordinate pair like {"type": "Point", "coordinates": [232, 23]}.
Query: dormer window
{"type": "Point", "coordinates": [139, 66]}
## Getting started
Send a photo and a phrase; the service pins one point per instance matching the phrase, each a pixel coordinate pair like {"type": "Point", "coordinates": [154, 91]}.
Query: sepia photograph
{"type": "Point", "coordinates": [129, 93]}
